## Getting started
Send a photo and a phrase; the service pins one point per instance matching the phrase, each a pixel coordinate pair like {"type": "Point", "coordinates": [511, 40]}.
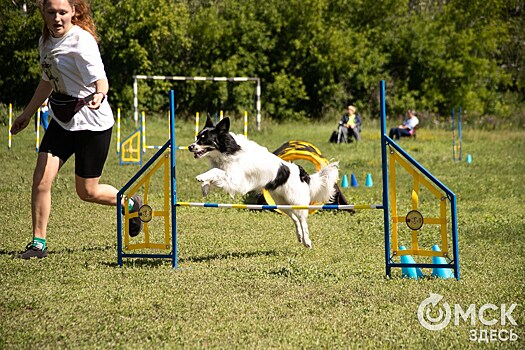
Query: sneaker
{"type": "Point", "coordinates": [135, 224]}
{"type": "Point", "coordinates": [32, 251]}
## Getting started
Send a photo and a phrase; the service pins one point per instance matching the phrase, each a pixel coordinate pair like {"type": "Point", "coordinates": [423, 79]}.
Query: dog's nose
{"type": "Point", "coordinates": [191, 147]}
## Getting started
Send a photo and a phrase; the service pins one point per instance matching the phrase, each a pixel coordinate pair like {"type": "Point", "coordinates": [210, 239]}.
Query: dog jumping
{"type": "Point", "coordinates": [238, 165]}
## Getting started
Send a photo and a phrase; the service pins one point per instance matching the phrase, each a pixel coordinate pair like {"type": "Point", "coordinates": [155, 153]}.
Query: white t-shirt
{"type": "Point", "coordinates": [411, 122]}
{"type": "Point", "coordinates": [72, 64]}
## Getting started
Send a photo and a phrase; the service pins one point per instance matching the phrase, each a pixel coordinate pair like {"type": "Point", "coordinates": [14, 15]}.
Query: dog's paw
{"type": "Point", "coordinates": [307, 242]}
{"type": "Point", "coordinates": [213, 176]}
{"type": "Point", "coordinates": [201, 178]}
{"type": "Point", "coordinates": [205, 188]}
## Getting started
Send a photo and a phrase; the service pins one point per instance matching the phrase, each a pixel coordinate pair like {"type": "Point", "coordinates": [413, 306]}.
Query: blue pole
{"type": "Point", "coordinates": [119, 228]}
{"type": "Point", "coordinates": [460, 133]}
{"type": "Point", "coordinates": [453, 136]}
{"type": "Point", "coordinates": [455, 243]}
{"type": "Point", "coordinates": [174, 260]}
{"type": "Point", "coordinates": [384, 165]}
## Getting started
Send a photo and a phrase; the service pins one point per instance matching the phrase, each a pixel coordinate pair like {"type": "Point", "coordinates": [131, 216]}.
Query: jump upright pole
{"type": "Point", "coordinates": [384, 166]}
{"type": "Point", "coordinates": [460, 134]}
{"type": "Point", "coordinates": [174, 261]}
{"type": "Point", "coordinates": [453, 135]}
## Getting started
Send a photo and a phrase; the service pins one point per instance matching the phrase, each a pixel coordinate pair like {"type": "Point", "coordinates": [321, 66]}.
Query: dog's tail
{"type": "Point", "coordinates": [322, 183]}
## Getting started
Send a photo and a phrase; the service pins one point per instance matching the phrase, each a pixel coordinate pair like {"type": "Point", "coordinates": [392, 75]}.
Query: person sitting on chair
{"type": "Point", "coordinates": [350, 123]}
{"type": "Point", "coordinates": [407, 128]}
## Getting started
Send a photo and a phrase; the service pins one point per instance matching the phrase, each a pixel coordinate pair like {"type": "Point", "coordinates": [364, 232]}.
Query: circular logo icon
{"type": "Point", "coordinates": [433, 323]}
{"type": "Point", "coordinates": [145, 213]}
{"type": "Point", "coordinates": [414, 220]}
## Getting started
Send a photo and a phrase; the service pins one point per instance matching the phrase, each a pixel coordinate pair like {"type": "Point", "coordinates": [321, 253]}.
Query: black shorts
{"type": "Point", "coordinates": [90, 148]}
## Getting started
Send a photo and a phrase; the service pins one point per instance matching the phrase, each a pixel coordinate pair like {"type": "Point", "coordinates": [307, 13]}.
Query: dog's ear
{"type": "Point", "coordinates": [223, 126]}
{"type": "Point", "coordinates": [209, 123]}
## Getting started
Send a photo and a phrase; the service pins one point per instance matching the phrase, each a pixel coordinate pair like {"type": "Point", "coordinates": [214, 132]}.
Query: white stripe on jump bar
{"type": "Point", "coordinates": [167, 77]}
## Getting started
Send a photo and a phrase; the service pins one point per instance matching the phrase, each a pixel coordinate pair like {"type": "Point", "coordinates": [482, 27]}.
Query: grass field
{"type": "Point", "coordinates": [244, 281]}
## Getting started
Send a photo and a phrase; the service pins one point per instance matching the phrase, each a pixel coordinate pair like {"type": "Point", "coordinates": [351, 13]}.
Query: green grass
{"type": "Point", "coordinates": [244, 281]}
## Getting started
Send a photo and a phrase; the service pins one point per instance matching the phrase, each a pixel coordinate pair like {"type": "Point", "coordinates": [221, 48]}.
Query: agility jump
{"type": "Point", "coordinates": [395, 221]}
{"type": "Point", "coordinates": [131, 148]}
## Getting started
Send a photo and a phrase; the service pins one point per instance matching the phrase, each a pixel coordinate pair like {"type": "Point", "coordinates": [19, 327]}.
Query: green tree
{"type": "Point", "coordinates": [313, 56]}
{"type": "Point", "coordinates": [19, 51]}
{"type": "Point", "coordinates": [145, 37]}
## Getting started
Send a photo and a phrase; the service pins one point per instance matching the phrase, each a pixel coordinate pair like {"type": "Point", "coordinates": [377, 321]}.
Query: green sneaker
{"type": "Point", "coordinates": [135, 224]}
{"type": "Point", "coordinates": [32, 252]}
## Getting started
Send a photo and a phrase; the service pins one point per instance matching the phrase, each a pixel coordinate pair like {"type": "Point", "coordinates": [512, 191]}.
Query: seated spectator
{"type": "Point", "coordinates": [350, 123]}
{"type": "Point", "coordinates": [407, 128]}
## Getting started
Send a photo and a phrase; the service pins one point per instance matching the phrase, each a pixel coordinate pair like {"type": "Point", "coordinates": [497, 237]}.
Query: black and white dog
{"type": "Point", "coordinates": [239, 165]}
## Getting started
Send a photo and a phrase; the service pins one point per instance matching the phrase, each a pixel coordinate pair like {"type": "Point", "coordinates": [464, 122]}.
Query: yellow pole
{"type": "Point", "coordinates": [9, 136]}
{"type": "Point", "coordinates": [143, 132]}
{"type": "Point", "coordinates": [37, 145]}
{"type": "Point", "coordinates": [197, 117]}
{"type": "Point", "coordinates": [118, 130]}
{"type": "Point", "coordinates": [221, 115]}
{"type": "Point", "coordinates": [246, 124]}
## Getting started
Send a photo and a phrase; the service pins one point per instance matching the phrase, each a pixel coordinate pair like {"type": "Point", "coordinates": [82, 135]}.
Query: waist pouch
{"type": "Point", "coordinates": [65, 107]}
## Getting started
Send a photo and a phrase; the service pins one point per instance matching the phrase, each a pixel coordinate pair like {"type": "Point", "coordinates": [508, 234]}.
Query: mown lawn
{"type": "Point", "coordinates": [244, 281]}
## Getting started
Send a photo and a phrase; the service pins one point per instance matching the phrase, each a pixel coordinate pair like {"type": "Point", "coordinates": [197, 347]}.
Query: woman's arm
{"type": "Point", "coordinates": [42, 91]}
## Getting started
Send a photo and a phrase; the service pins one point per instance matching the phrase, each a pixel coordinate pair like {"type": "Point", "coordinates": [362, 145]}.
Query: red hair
{"type": "Point", "coordinates": [82, 17]}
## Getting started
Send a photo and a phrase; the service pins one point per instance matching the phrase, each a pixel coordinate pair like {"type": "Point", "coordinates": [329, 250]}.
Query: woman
{"type": "Point", "coordinates": [407, 128]}
{"type": "Point", "coordinates": [75, 81]}
{"type": "Point", "coordinates": [350, 123]}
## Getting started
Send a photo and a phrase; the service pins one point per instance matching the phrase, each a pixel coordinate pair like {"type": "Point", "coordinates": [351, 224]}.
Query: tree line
{"type": "Point", "coordinates": [313, 57]}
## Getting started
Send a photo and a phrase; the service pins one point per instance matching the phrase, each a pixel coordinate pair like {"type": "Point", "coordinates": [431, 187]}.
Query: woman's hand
{"type": "Point", "coordinates": [43, 90]}
{"type": "Point", "coordinates": [20, 124]}
{"type": "Point", "coordinates": [101, 88]}
{"type": "Point", "coordinates": [97, 100]}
